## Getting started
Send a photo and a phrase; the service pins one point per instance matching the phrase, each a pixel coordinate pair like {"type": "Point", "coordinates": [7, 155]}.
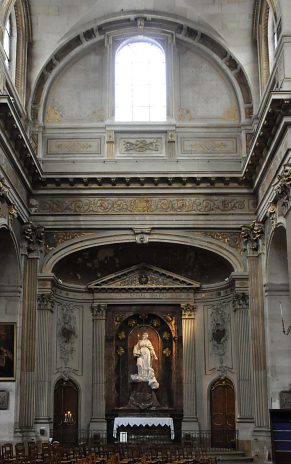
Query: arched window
{"type": "Point", "coordinates": [7, 41]}
{"type": "Point", "coordinates": [140, 82]}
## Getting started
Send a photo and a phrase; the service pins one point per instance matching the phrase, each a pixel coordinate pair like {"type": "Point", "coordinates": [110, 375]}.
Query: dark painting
{"type": "Point", "coordinates": [7, 351]}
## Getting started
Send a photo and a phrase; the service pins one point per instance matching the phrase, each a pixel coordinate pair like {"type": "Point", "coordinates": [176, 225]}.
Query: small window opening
{"type": "Point", "coordinates": [7, 41]}
{"type": "Point", "coordinates": [140, 82]}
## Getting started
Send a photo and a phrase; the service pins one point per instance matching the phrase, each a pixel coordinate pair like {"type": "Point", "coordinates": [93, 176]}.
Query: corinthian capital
{"type": "Point", "coordinates": [240, 301]}
{"type": "Point", "coordinates": [45, 302]}
{"type": "Point", "coordinates": [98, 310]}
{"type": "Point", "coordinates": [33, 237]}
{"type": "Point", "coordinates": [188, 310]}
{"type": "Point", "coordinates": [252, 236]}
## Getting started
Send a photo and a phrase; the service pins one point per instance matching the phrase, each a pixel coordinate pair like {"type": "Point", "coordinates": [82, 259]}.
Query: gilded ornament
{"type": "Point", "coordinates": [121, 335]}
{"type": "Point", "coordinates": [156, 322]}
{"type": "Point", "coordinates": [118, 318]}
{"type": "Point", "coordinates": [167, 352]}
{"type": "Point", "coordinates": [143, 316]}
{"type": "Point", "coordinates": [132, 322]}
{"type": "Point", "coordinates": [166, 336]}
{"type": "Point", "coordinates": [120, 351]}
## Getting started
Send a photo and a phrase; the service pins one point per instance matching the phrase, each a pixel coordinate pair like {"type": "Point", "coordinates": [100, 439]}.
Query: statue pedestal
{"type": "Point", "coordinates": [142, 397]}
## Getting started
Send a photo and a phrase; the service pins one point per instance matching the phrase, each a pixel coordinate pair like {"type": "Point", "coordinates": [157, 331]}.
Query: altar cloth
{"type": "Point", "coordinates": [150, 421]}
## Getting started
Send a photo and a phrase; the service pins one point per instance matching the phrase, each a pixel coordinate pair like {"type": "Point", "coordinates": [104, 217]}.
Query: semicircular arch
{"type": "Point", "coordinates": [227, 252]}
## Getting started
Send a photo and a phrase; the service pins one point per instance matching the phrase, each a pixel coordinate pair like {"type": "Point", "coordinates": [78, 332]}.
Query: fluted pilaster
{"type": "Point", "coordinates": [98, 398]}
{"type": "Point", "coordinates": [244, 377]}
{"type": "Point", "coordinates": [43, 357]}
{"type": "Point", "coordinates": [189, 366]}
{"type": "Point", "coordinates": [27, 375]}
{"type": "Point", "coordinates": [257, 327]}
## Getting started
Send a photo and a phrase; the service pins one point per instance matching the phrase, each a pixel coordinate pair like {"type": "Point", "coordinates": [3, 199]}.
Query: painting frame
{"type": "Point", "coordinates": [7, 351]}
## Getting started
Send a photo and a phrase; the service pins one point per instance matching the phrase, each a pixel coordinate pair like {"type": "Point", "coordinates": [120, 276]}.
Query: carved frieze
{"type": "Point", "coordinates": [208, 146]}
{"type": "Point", "coordinates": [146, 205]}
{"type": "Point", "coordinates": [73, 146]}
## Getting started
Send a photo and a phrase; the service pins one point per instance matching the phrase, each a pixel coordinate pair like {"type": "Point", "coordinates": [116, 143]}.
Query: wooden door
{"type": "Point", "coordinates": [66, 412]}
{"type": "Point", "coordinates": [222, 405]}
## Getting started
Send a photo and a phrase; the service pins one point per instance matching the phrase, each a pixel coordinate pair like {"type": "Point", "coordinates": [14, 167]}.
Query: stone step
{"type": "Point", "coordinates": [234, 459]}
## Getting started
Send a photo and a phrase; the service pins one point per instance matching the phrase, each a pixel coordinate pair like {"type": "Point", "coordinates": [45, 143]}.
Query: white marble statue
{"type": "Point", "coordinates": [144, 352]}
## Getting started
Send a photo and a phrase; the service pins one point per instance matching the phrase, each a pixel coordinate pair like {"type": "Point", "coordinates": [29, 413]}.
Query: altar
{"type": "Point", "coordinates": [143, 422]}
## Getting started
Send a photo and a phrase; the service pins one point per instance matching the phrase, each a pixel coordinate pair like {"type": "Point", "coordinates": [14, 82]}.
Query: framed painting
{"type": "Point", "coordinates": [7, 351]}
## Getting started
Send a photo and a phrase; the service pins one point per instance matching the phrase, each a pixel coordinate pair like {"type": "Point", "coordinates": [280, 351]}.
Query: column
{"type": "Point", "coordinates": [190, 422]}
{"type": "Point", "coordinates": [244, 376]}
{"type": "Point", "coordinates": [98, 421]}
{"type": "Point", "coordinates": [33, 239]}
{"type": "Point", "coordinates": [43, 413]}
{"type": "Point", "coordinates": [252, 239]}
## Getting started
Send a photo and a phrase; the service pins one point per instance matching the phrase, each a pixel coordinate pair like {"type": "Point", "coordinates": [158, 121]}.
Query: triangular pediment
{"type": "Point", "coordinates": [143, 276]}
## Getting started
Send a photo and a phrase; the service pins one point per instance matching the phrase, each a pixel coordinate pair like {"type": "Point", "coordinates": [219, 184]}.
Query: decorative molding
{"type": "Point", "coordinates": [142, 235]}
{"type": "Point", "coordinates": [282, 188]}
{"type": "Point", "coordinates": [272, 213]}
{"type": "Point", "coordinates": [54, 239]}
{"type": "Point", "coordinates": [232, 239]}
{"type": "Point", "coordinates": [145, 205]}
{"type": "Point", "coordinates": [98, 310]}
{"type": "Point", "coordinates": [208, 146]}
{"type": "Point", "coordinates": [252, 236]}
{"type": "Point", "coordinates": [74, 146]}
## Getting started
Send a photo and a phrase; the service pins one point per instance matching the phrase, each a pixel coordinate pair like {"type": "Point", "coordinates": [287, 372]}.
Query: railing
{"type": "Point", "coordinates": [207, 440]}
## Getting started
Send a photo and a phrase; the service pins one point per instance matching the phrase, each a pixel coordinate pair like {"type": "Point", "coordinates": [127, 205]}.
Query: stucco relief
{"type": "Point", "coordinates": [73, 146]}
{"type": "Point", "coordinates": [147, 205]}
{"type": "Point", "coordinates": [218, 346]}
{"type": "Point", "coordinates": [140, 145]}
{"type": "Point", "coordinates": [208, 146]}
{"type": "Point", "coordinates": [69, 337]}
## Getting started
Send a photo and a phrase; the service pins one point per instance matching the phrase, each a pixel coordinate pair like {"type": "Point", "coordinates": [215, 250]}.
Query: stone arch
{"type": "Point", "coordinates": [23, 36]}
{"type": "Point", "coordinates": [81, 42]}
{"type": "Point", "coordinates": [278, 312]}
{"type": "Point", "coordinates": [262, 11]}
{"type": "Point", "coordinates": [232, 255]}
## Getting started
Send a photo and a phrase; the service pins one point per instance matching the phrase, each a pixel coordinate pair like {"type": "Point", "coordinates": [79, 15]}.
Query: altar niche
{"type": "Point", "coordinates": [127, 392]}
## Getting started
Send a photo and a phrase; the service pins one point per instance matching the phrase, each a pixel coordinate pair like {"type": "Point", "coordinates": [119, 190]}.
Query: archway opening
{"type": "Point", "coordinates": [66, 400]}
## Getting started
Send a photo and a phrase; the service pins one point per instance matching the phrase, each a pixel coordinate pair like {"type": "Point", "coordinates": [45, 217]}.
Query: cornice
{"type": "Point", "coordinates": [273, 121]}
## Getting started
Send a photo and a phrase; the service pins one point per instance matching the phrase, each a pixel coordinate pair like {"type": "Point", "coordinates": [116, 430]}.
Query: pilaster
{"type": "Point", "coordinates": [98, 367]}
{"type": "Point", "coordinates": [43, 411]}
{"type": "Point", "coordinates": [32, 241]}
{"type": "Point", "coordinates": [253, 243]}
{"type": "Point", "coordinates": [190, 422]}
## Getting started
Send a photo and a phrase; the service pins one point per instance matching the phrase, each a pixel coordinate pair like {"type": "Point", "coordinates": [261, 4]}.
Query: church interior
{"type": "Point", "coordinates": [145, 228]}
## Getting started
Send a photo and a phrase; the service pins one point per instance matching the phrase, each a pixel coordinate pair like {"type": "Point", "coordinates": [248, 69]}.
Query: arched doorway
{"type": "Point", "coordinates": [222, 410]}
{"type": "Point", "coordinates": [66, 398]}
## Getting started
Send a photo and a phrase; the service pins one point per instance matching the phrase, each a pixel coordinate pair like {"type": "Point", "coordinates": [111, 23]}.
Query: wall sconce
{"type": "Point", "coordinates": [285, 332]}
{"type": "Point", "coordinates": [68, 418]}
